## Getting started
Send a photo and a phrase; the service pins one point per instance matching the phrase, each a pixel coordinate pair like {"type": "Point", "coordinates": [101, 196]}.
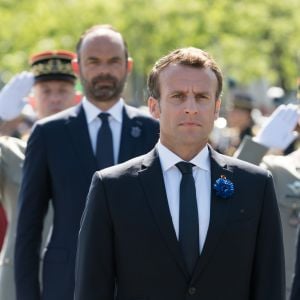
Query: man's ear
{"type": "Point", "coordinates": [78, 97]}
{"type": "Point", "coordinates": [154, 108]}
{"type": "Point", "coordinates": [31, 100]}
{"type": "Point", "coordinates": [75, 66]}
{"type": "Point", "coordinates": [129, 64]}
{"type": "Point", "coordinates": [217, 108]}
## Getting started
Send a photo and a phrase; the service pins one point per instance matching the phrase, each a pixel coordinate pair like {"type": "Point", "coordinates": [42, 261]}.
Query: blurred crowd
{"type": "Point", "coordinates": [269, 138]}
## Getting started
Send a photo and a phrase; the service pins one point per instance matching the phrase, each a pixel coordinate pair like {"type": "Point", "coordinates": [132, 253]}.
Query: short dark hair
{"type": "Point", "coordinates": [95, 28]}
{"type": "Point", "coordinates": [192, 57]}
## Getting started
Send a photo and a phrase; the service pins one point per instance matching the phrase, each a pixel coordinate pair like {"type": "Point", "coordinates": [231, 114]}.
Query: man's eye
{"type": "Point", "coordinates": [92, 62]}
{"type": "Point", "coordinates": [202, 97]}
{"type": "Point", "coordinates": [177, 96]}
{"type": "Point", "coordinates": [115, 61]}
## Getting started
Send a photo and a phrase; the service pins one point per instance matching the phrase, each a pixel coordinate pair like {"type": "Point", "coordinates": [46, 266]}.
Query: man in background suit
{"type": "Point", "coordinates": [141, 237]}
{"type": "Point", "coordinates": [61, 158]}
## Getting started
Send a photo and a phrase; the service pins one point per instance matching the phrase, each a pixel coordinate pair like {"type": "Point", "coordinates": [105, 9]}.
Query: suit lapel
{"type": "Point", "coordinates": [218, 212]}
{"type": "Point", "coordinates": [131, 131]}
{"type": "Point", "coordinates": [153, 184]}
{"type": "Point", "coordinates": [79, 133]}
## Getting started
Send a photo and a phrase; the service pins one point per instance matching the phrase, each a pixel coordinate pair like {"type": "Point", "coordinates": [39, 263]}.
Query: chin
{"type": "Point", "coordinates": [55, 111]}
{"type": "Point", "coordinates": [194, 139]}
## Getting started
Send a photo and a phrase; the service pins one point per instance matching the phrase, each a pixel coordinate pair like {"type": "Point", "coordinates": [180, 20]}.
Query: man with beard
{"type": "Point", "coordinates": [62, 154]}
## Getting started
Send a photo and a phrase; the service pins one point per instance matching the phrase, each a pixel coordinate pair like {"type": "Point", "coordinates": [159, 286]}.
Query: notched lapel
{"type": "Point", "coordinates": [79, 133]}
{"type": "Point", "coordinates": [153, 184]}
{"type": "Point", "coordinates": [130, 135]}
{"type": "Point", "coordinates": [218, 213]}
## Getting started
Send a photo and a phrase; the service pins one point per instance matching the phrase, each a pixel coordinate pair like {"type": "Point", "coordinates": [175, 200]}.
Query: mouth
{"type": "Point", "coordinates": [190, 124]}
{"type": "Point", "coordinates": [104, 83]}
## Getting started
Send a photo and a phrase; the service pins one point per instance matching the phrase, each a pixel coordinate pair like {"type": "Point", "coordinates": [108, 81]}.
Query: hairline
{"type": "Point", "coordinates": [96, 28]}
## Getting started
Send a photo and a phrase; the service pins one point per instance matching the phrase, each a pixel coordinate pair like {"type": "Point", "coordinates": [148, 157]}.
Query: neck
{"type": "Point", "coordinates": [104, 105]}
{"type": "Point", "coordinates": [185, 152]}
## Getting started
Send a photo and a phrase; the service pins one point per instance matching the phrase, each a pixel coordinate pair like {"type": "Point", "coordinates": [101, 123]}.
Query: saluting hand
{"type": "Point", "coordinates": [13, 95]}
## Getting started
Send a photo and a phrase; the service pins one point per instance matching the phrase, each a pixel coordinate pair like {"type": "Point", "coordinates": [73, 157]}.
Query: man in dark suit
{"type": "Point", "coordinates": [62, 155]}
{"type": "Point", "coordinates": [183, 221]}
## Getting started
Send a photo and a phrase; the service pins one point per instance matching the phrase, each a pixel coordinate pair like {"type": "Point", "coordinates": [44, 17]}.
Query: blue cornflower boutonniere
{"type": "Point", "coordinates": [224, 187]}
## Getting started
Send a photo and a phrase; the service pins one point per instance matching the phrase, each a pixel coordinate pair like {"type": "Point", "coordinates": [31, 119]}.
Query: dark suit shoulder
{"type": "Point", "coordinates": [54, 123]}
{"type": "Point", "coordinates": [235, 164]}
{"type": "Point", "coordinates": [60, 117]}
{"type": "Point", "coordinates": [127, 168]}
{"type": "Point", "coordinates": [138, 114]}
{"type": "Point", "coordinates": [249, 167]}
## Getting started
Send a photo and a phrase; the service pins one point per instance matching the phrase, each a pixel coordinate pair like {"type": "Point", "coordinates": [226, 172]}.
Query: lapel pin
{"type": "Point", "coordinates": [135, 131]}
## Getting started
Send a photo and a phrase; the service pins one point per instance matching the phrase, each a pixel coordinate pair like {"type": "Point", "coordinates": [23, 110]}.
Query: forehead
{"type": "Point", "coordinates": [53, 84]}
{"type": "Point", "coordinates": [181, 77]}
{"type": "Point", "coordinates": [102, 42]}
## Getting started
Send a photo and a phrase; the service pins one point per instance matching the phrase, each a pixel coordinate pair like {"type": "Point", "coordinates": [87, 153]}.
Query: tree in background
{"type": "Point", "coordinates": [250, 39]}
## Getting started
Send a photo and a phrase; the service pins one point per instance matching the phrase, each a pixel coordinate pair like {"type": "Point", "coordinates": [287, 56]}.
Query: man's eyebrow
{"type": "Point", "coordinates": [202, 93]}
{"type": "Point", "coordinates": [91, 58]}
{"type": "Point", "coordinates": [176, 92]}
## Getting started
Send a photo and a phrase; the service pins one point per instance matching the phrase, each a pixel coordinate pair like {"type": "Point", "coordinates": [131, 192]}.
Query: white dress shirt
{"type": "Point", "coordinates": [172, 177]}
{"type": "Point", "coordinates": [115, 123]}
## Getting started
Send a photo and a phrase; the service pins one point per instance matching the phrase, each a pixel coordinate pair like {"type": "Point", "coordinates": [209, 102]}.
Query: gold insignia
{"type": "Point", "coordinates": [53, 66]}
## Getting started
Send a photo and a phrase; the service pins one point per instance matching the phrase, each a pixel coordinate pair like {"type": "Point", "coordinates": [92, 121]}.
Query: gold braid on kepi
{"type": "Point", "coordinates": [53, 65]}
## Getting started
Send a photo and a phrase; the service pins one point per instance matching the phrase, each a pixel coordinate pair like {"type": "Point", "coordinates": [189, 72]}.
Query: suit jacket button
{"type": "Point", "coordinates": [192, 290]}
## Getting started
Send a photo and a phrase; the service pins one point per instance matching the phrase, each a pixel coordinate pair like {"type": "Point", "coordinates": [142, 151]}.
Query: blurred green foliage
{"type": "Point", "coordinates": [250, 39]}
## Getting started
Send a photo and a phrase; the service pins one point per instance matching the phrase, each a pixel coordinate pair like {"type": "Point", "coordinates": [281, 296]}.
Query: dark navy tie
{"type": "Point", "coordinates": [188, 216]}
{"type": "Point", "coordinates": [104, 148]}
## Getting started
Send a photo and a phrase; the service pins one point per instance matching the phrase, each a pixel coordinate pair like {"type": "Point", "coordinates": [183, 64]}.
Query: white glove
{"type": "Point", "coordinates": [12, 96]}
{"type": "Point", "coordinates": [278, 131]}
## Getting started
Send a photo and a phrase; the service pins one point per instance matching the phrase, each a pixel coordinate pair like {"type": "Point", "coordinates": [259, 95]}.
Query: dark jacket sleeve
{"type": "Point", "coordinates": [295, 294]}
{"type": "Point", "coordinates": [32, 207]}
{"type": "Point", "coordinates": [268, 275]}
{"type": "Point", "coordinates": [95, 269]}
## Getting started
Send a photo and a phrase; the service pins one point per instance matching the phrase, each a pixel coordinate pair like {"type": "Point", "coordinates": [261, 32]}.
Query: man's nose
{"type": "Point", "coordinates": [104, 68]}
{"type": "Point", "coordinates": [56, 97]}
{"type": "Point", "coordinates": [191, 105]}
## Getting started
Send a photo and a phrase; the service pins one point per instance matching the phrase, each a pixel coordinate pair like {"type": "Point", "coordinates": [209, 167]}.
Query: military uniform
{"type": "Point", "coordinates": [11, 160]}
{"type": "Point", "coordinates": [286, 174]}
{"type": "Point", "coordinates": [46, 66]}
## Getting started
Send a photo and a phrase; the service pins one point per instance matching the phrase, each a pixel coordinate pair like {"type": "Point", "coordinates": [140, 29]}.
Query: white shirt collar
{"type": "Point", "coordinates": [92, 111]}
{"type": "Point", "coordinates": [168, 159]}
